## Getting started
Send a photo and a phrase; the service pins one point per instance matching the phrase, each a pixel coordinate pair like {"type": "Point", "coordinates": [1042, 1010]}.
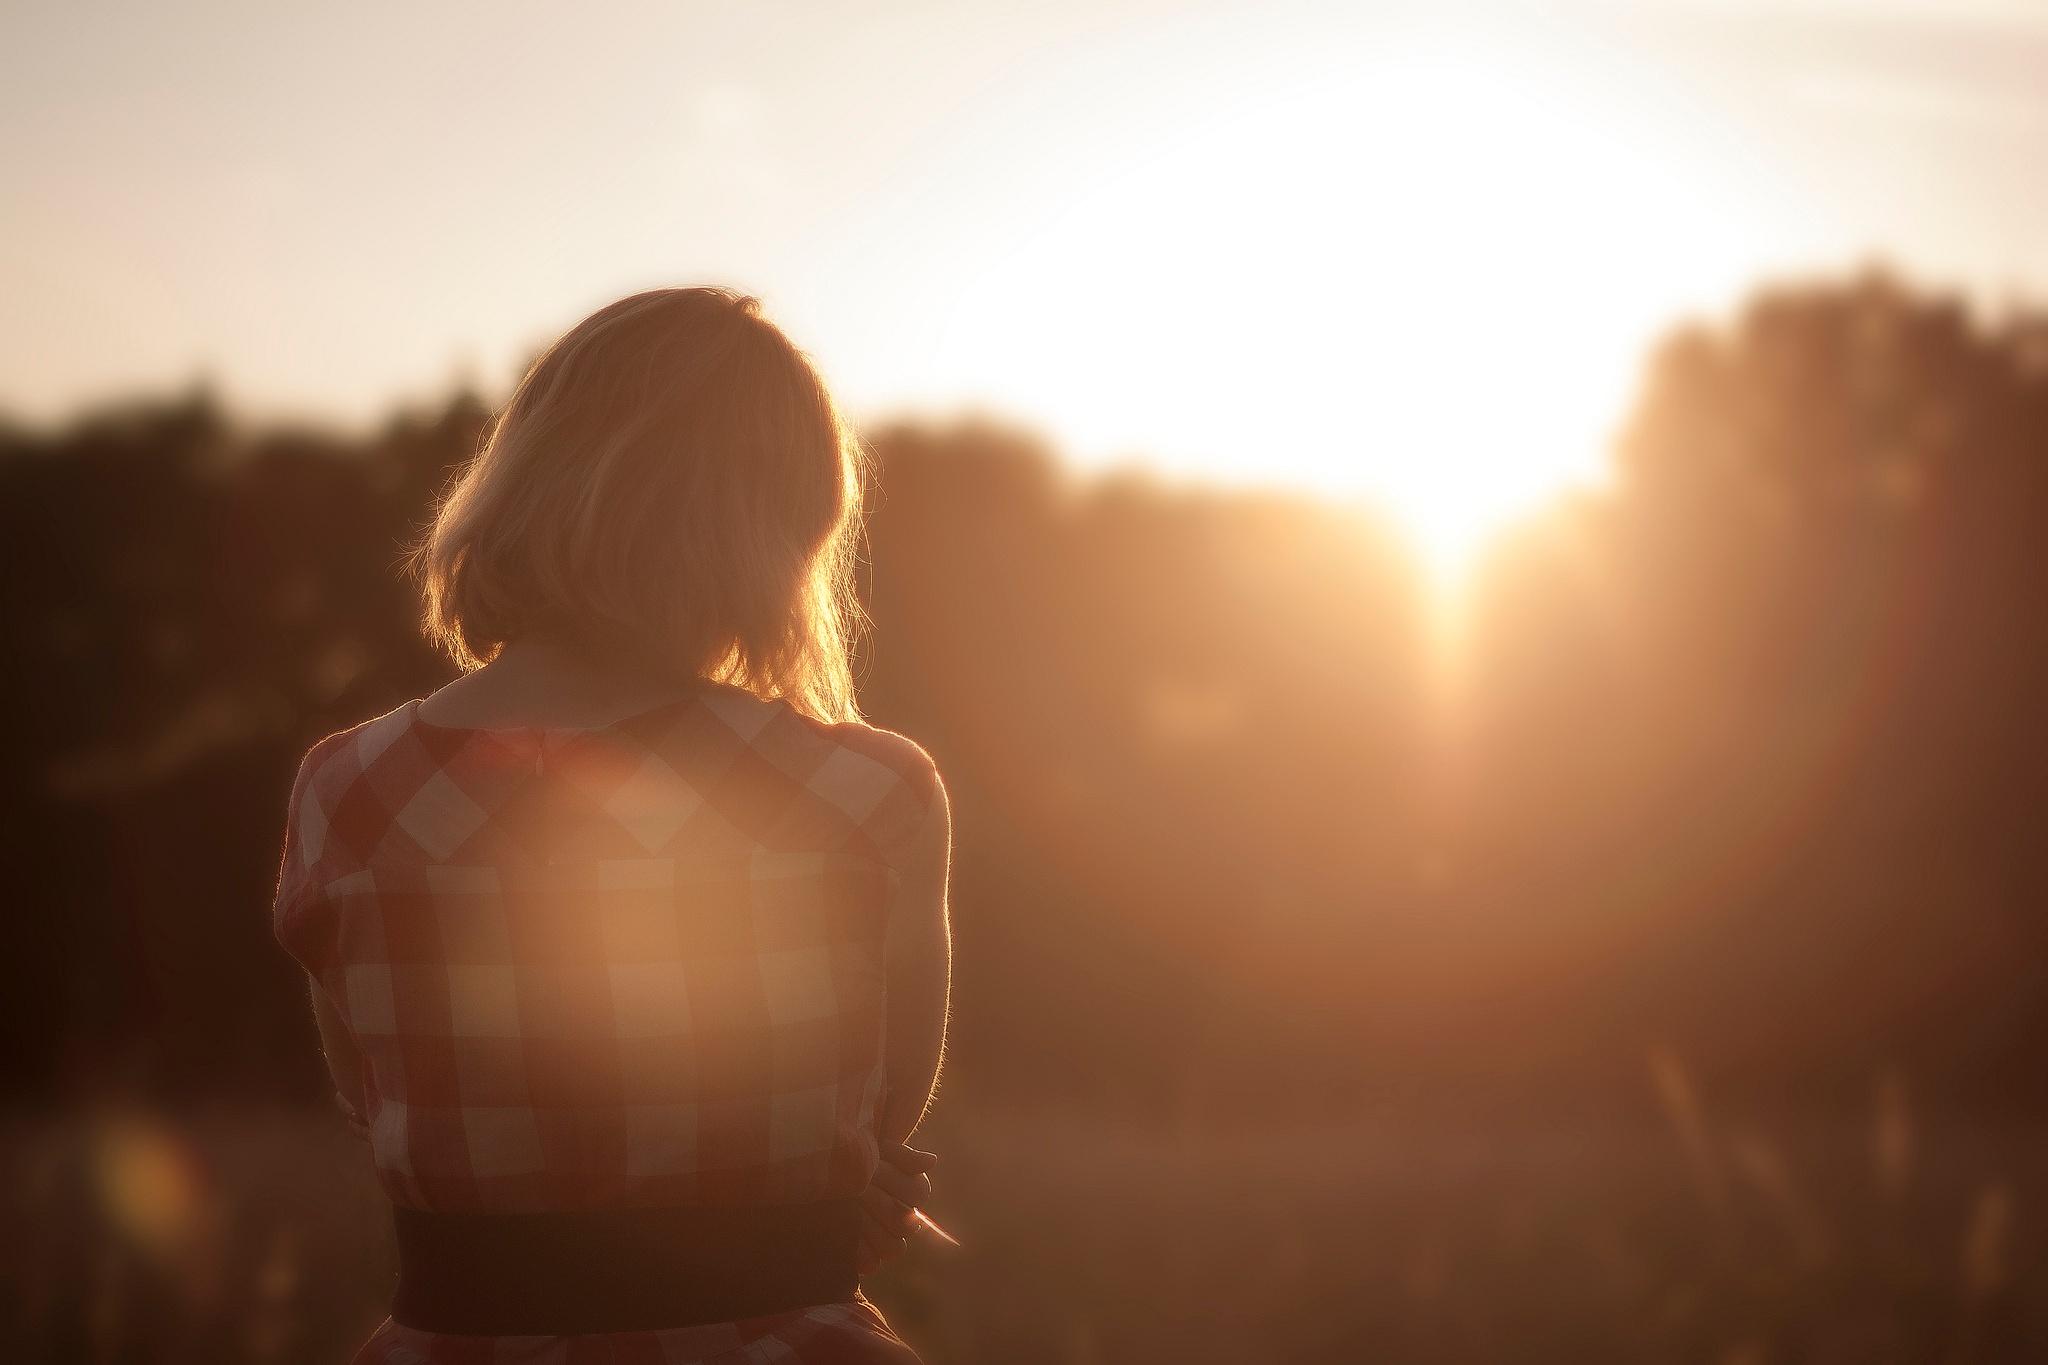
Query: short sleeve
{"type": "Point", "coordinates": [305, 832]}
{"type": "Point", "coordinates": [906, 788]}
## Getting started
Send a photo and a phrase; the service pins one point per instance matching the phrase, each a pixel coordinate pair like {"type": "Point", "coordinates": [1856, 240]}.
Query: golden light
{"type": "Point", "coordinates": [150, 1185]}
{"type": "Point", "coordinates": [1425, 278]}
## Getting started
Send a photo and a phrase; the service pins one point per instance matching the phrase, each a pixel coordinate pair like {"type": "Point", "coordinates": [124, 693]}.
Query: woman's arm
{"type": "Point", "coordinates": [918, 959]}
{"type": "Point", "coordinates": [917, 966]}
{"type": "Point", "coordinates": [344, 1062]}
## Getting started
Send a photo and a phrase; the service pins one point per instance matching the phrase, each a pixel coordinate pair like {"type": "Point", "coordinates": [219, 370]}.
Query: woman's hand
{"type": "Point", "coordinates": [902, 1182]}
{"type": "Point", "coordinates": [352, 1114]}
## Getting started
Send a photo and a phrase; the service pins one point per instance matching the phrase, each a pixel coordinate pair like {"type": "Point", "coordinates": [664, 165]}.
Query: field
{"type": "Point", "coordinates": [257, 1236]}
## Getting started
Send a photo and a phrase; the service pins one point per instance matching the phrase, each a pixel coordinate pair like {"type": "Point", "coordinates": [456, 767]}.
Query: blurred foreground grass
{"type": "Point", "coordinates": [258, 1235]}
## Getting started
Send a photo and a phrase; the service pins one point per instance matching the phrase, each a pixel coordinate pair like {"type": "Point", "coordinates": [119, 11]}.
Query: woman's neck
{"type": "Point", "coordinates": [547, 678]}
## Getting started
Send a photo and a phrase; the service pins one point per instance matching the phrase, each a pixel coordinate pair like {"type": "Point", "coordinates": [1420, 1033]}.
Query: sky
{"type": "Point", "coordinates": [1408, 250]}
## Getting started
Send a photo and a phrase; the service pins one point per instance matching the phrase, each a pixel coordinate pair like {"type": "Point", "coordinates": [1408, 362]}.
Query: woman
{"type": "Point", "coordinates": [629, 947]}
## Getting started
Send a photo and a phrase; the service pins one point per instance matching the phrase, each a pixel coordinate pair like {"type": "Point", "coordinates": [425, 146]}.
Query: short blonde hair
{"type": "Point", "coordinates": [671, 481]}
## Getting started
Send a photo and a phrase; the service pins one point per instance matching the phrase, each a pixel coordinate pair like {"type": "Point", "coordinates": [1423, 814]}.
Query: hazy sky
{"type": "Point", "coordinates": [1262, 240]}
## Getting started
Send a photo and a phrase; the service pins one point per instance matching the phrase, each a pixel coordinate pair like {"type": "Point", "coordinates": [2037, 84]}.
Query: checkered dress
{"type": "Point", "coordinates": [631, 966]}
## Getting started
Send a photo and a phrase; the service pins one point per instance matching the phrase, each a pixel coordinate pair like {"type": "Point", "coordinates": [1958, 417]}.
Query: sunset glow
{"type": "Point", "coordinates": [1300, 288]}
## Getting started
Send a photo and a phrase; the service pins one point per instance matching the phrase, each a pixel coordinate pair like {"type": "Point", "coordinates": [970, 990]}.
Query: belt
{"type": "Point", "coordinates": [625, 1270]}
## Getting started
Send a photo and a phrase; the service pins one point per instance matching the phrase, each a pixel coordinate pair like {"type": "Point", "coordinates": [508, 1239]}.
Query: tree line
{"type": "Point", "coordinates": [1743, 757]}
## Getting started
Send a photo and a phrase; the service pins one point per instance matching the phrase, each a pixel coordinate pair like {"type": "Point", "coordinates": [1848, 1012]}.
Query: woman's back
{"type": "Point", "coordinates": [638, 964]}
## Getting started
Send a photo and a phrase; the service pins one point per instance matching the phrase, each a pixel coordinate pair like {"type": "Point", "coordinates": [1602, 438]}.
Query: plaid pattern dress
{"type": "Point", "coordinates": [630, 966]}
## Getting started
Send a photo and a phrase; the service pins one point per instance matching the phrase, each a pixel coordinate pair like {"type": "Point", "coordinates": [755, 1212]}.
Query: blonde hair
{"type": "Point", "coordinates": [671, 482]}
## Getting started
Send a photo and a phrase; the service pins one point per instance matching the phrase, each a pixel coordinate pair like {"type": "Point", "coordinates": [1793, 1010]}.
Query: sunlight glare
{"type": "Point", "coordinates": [1426, 282]}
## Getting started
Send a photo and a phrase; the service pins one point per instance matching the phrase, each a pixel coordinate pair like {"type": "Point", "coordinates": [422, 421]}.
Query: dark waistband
{"type": "Point", "coordinates": [624, 1270]}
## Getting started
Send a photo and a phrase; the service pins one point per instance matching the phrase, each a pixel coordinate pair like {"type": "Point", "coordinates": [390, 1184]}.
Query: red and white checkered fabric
{"type": "Point", "coordinates": [630, 966]}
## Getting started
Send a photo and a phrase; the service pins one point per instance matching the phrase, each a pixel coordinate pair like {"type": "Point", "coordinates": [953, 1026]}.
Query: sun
{"type": "Point", "coordinates": [1425, 281]}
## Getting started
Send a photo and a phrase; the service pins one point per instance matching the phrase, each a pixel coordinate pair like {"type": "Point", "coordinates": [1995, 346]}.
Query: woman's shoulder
{"type": "Point", "coordinates": [850, 745]}
{"type": "Point", "coordinates": [337, 759]}
{"type": "Point", "coordinates": [318, 815]}
{"type": "Point", "coordinates": [352, 783]}
{"type": "Point", "coordinates": [883, 782]}
{"type": "Point", "coordinates": [899, 753]}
